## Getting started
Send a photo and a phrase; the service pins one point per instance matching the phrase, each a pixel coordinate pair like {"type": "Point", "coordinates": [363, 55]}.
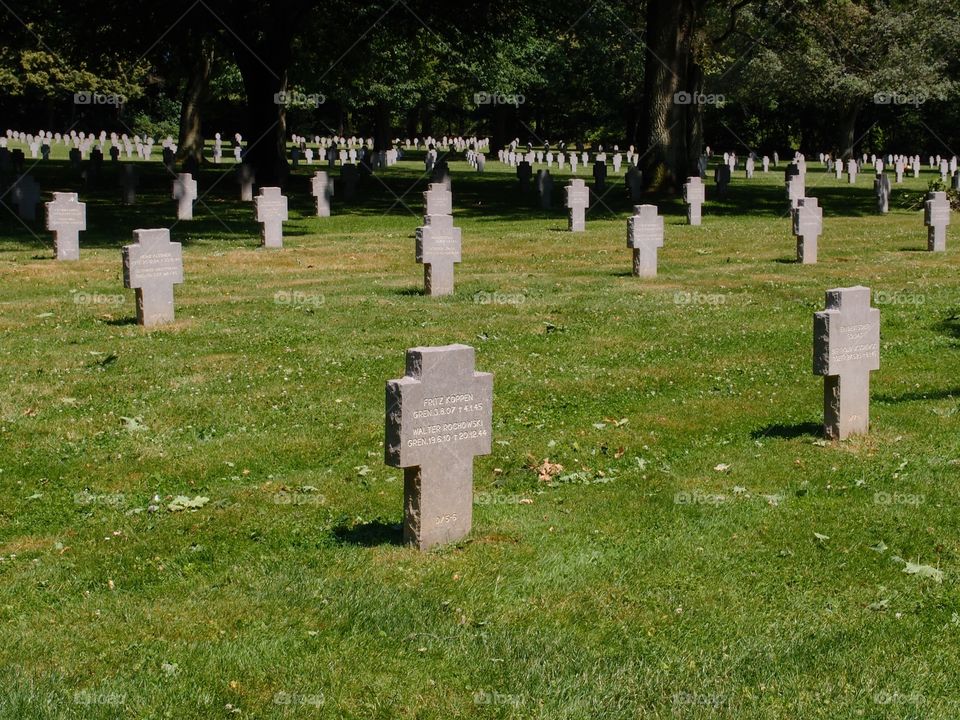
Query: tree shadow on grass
{"type": "Point", "coordinates": [789, 432]}
{"type": "Point", "coordinates": [370, 534]}
{"type": "Point", "coordinates": [949, 326]}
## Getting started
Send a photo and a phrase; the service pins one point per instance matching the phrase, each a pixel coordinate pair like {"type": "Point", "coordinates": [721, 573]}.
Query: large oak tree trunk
{"type": "Point", "coordinates": [673, 80]}
{"type": "Point", "coordinates": [190, 142]}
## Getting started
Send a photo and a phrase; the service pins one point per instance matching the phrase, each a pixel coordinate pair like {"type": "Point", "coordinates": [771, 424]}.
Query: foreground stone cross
{"type": "Point", "coordinates": [577, 202]}
{"type": "Point", "coordinates": [184, 192]}
{"type": "Point", "coordinates": [807, 227]}
{"type": "Point", "coordinates": [152, 267]}
{"type": "Point", "coordinates": [694, 196]}
{"type": "Point", "coordinates": [936, 216]}
{"type": "Point", "coordinates": [271, 209]}
{"type": "Point", "coordinates": [644, 236]}
{"type": "Point", "coordinates": [66, 218]}
{"type": "Point", "coordinates": [438, 242]}
{"type": "Point", "coordinates": [438, 417]}
{"type": "Point", "coordinates": [846, 349]}
{"type": "Point", "coordinates": [321, 186]}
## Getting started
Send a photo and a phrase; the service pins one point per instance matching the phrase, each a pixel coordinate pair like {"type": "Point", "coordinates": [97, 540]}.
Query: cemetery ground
{"type": "Point", "coordinates": [197, 520]}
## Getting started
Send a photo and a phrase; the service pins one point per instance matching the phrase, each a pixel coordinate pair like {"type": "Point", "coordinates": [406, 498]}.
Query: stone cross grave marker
{"type": "Point", "coordinates": [25, 194]}
{"type": "Point", "coordinates": [634, 182]}
{"type": "Point", "coordinates": [152, 267]}
{"type": "Point", "coordinates": [846, 348]}
{"type": "Point", "coordinates": [599, 175]}
{"type": "Point", "coordinates": [694, 195]}
{"type": "Point", "coordinates": [245, 178]}
{"type": "Point", "coordinates": [271, 207]}
{"type": "Point", "coordinates": [438, 418]}
{"type": "Point", "coordinates": [644, 236]}
{"type": "Point", "coordinates": [936, 216]}
{"type": "Point", "coordinates": [438, 242]}
{"type": "Point", "coordinates": [128, 183]}
{"type": "Point", "coordinates": [321, 186]}
{"type": "Point", "coordinates": [66, 218]}
{"type": "Point", "coordinates": [184, 192]}
{"type": "Point", "coordinates": [881, 188]}
{"type": "Point", "coordinates": [807, 227]}
{"type": "Point", "coordinates": [577, 202]}
{"type": "Point", "coordinates": [795, 190]}
{"type": "Point", "coordinates": [524, 172]}
{"type": "Point", "coordinates": [545, 188]}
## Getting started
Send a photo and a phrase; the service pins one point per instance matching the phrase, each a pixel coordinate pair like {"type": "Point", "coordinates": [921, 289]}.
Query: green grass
{"type": "Point", "coordinates": [606, 595]}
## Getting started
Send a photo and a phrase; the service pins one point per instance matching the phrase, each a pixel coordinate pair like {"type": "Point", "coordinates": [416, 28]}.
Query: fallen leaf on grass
{"type": "Point", "coordinates": [547, 470]}
{"type": "Point", "coordinates": [133, 424]}
{"type": "Point", "coordinates": [182, 502]}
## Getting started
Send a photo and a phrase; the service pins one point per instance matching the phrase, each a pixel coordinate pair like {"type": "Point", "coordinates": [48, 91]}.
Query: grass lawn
{"type": "Point", "coordinates": [702, 553]}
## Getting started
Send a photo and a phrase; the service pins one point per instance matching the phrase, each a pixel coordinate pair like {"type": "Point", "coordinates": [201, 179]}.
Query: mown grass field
{"type": "Point", "coordinates": [702, 553]}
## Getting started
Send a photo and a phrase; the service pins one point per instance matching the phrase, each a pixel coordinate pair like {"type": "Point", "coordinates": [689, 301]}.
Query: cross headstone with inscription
{"type": "Point", "coordinates": [321, 186]}
{"type": "Point", "coordinates": [184, 192]}
{"type": "Point", "coordinates": [936, 216]}
{"type": "Point", "coordinates": [807, 228]}
{"type": "Point", "coordinates": [694, 196]}
{"type": "Point", "coordinates": [438, 418]}
{"type": "Point", "coordinates": [271, 207]}
{"type": "Point", "coordinates": [846, 349]}
{"type": "Point", "coordinates": [152, 267]}
{"type": "Point", "coordinates": [577, 202]}
{"type": "Point", "coordinates": [644, 236]}
{"type": "Point", "coordinates": [66, 218]}
{"type": "Point", "coordinates": [438, 241]}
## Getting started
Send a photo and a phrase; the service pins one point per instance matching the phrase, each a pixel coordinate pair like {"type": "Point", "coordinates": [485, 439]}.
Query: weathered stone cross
{"type": "Point", "coordinates": [438, 417]}
{"type": "Point", "coordinates": [846, 349]}
{"type": "Point", "coordinates": [152, 267]}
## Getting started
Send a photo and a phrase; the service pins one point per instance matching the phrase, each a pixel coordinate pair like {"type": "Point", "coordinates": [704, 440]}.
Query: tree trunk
{"type": "Point", "coordinates": [381, 127]}
{"type": "Point", "coordinates": [848, 132]}
{"type": "Point", "coordinates": [267, 119]}
{"type": "Point", "coordinates": [502, 126]}
{"type": "Point", "coordinates": [190, 143]}
{"type": "Point", "coordinates": [673, 84]}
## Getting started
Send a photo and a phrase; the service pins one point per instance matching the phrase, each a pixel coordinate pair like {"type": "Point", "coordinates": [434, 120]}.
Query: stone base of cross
{"type": "Point", "coordinates": [438, 418]}
{"type": "Point", "coordinates": [846, 349]}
